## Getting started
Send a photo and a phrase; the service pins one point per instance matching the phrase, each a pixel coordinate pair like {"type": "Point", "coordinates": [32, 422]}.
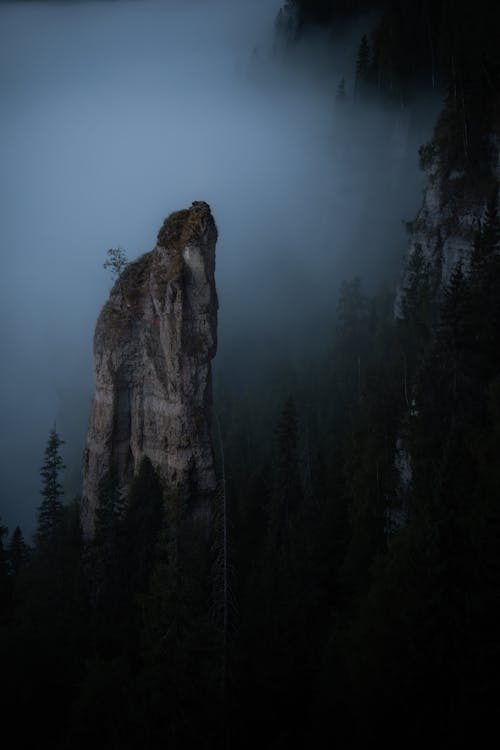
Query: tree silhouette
{"type": "Point", "coordinates": [363, 66]}
{"type": "Point", "coordinates": [116, 261]}
{"type": "Point", "coordinates": [341, 91]}
{"type": "Point", "coordinates": [50, 510]}
{"type": "Point", "coordinates": [18, 552]}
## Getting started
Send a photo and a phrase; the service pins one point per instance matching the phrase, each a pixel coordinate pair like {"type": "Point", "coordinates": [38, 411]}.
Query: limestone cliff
{"type": "Point", "coordinates": [153, 345]}
{"type": "Point", "coordinates": [445, 227]}
{"type": "Point", "coordinates": [443, 235]}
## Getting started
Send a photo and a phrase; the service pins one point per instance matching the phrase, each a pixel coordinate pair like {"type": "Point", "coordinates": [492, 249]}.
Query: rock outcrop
{"type": "Point", "coordinates": [153, 345]}
{"type": "Point", "coordinates": [443, 236]}
{"type": "Point", "coordinates": [444, 230]}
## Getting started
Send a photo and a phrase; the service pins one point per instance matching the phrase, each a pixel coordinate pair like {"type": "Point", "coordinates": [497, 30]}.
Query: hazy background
{"type": "Point", "coordinates": [115, 114]}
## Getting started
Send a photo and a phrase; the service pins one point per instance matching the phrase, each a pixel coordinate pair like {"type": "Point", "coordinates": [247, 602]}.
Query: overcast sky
{"type": "Point", "coordinates": [114, 114]}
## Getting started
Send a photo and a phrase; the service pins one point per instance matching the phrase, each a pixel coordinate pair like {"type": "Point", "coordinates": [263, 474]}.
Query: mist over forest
{"type": "Point", "coordinates": [250, 375]}
{"type": "Point", "coordinates": [116, 114]}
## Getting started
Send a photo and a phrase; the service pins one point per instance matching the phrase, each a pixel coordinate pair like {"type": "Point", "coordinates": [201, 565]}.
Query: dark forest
{"type": "Point", "coordinates": [346, 587]}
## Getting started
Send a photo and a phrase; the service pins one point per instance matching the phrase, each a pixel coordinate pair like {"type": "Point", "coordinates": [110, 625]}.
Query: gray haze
{"type": "Point", "coordinates": [114, 115]}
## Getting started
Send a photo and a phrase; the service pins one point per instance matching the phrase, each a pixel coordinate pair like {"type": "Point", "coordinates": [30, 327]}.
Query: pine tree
{"type": "Point", "coordinates": [141, 524]}
{"type": "Point", "coordinates": [416, 289]}
{"type": "Point", "coordinates": [223, 603]}
{"type": "Point", "coordinates": [453, 342]}
{"type": "Point", "coordinates": [287, 21]}
{"type": "Point", "coordinates": [353, 337]}
{"type": "Point", "coordinates": [455, 308]}
{"type": "Point", "coordinates": [3, 557]}
{"type": "Point", "coordinates": [363, 66]}
{"type": "Point", "coordinates": [491, 230]}
{"type": "Point", "coordinates": [177, 646]}
{"type": "Point", "coordinates": [341, 91]}
{"type": "Point", "coordinates": [109, 510]}
{"type": "Point", "coordinates": [18, 552]}
{"type": "Point", "coordinates": [286, 491]}
{"type": "Point", "coordinates": [106, 543]}
{"type": "Point", "coordinates": [487, 239]}
{"type": "Point", "coordinates": [223, 606]}
{"type": "Point", "coordinates": [418, 311]}
{"type": "Point", "coordinates": [5, 587]}
{"type": "Point", "coordinates": [50, 510]}
{"type": "Point", "coordinates": [3, 532]}
{"type": "Point", "coordinates": [352, 310]}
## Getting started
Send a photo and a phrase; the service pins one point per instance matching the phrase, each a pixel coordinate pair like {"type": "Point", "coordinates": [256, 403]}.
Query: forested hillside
{"type": "Point", "coordinates": [347, 589]}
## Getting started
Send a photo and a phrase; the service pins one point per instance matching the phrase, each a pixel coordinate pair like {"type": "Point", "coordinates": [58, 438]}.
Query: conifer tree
{"type": "Point", "coordinates": [491, 226]}
{"type": "Point", "coordinates": [352, 309]}
{"type": "Point", "coordinates": [3, 558]}
{"type": "Point", "coordinates": [287, 20]}
{"type": "Point", "coordinates": [487, 239]}
{"type": "Point", "coordinates": [177, 648]}
{"type": "Point", "coordinates": [287, 492]}
{"type": "Point", "coordinates": [454, 331]}
{"type": "Point", "coordinates": [18, 552]}
{"type": "Point", "coordinates": [106, 543]}
{"type": "Point", "coordinates": [416, 290]}
{"type": "Point", "coordinates": [142, 521]}
{"type": "Point", "coordinates": [50, 510]}
{"type": "Point", "coordinates": [362, 66]}
{"type": "Point", "coordinates": [223, 604]}
{"type": "Point", "coordinates": [341, 91]}
{"type": "Point", "coordinates": [353, 336]}
{"type": "Point", "coordinates": [418, 310]}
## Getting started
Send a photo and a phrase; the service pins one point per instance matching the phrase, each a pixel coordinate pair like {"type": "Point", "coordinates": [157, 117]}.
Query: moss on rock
{"type": "Point", "coordinates": [116, 322]}
{"type": "Point", "coordinates": [183, 227]}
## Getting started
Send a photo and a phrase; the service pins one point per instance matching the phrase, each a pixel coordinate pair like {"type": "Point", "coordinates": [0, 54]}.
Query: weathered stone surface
{"type": "Point", "coordinates": [153, 345]}
{"type": "Point", "coordinates": [445, 226]}
{"type": "Point", "coordinates": [452, 210]}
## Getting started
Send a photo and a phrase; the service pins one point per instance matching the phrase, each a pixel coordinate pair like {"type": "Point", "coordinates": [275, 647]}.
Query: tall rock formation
{"type": "Point", "coordinates": [153, 345]}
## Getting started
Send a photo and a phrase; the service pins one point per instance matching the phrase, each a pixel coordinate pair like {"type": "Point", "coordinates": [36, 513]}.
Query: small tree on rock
{"type": "Point", "coordinates": [116, 261]}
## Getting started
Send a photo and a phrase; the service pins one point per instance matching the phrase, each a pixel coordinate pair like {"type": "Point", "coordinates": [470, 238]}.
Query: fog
{"type": "Point", "coordinates": [115, 114]}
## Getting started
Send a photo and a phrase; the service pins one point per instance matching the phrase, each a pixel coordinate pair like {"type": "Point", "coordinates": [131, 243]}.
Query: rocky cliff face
{"type": "Point", "coordinates": [153, 345]}
{"type": "Point", "coordinates": [444, 234]}
{"type": "Point", "coordinates": [446, 225]}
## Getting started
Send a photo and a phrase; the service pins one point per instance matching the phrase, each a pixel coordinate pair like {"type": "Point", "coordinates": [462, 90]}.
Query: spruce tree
{"type": "Point", "coordinates": [491, 225]}
{"type": "Point", "coordinates": [487, 239]}
{"type": "Point", "coordinates": [141, 525]}
{"type": "Point", "coordinates": [18, 552]}
{"type": "Point", "coordinates": [454, 322]}
{"type": "Point", "coordinates": [416, 290]}
{"type": "Point", "coordinates": [178, 650]}
{"type": "Point", "coordinates": [108, 515]}
{"type": "Point", "coordinates": [50, 510]}
{"type": "Point", "coordinates": [287, 491]}
{"type": "Point", "coordinates": [363, 66]}
{"type": "Point", "coordinates": [223, 602]}
{"type": "Point", "coordinates": [341, 91]}
{"type": "Point", "coordinates": [3, 532]}
{"type": "Point", "coordinates": [354, 338]}
{"type": "Point", "coordinates": [418, 311]}
{"type": "Point", "coordinates": [5, 582]}
{"type": "Point", "coordinates": [352, 311]}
